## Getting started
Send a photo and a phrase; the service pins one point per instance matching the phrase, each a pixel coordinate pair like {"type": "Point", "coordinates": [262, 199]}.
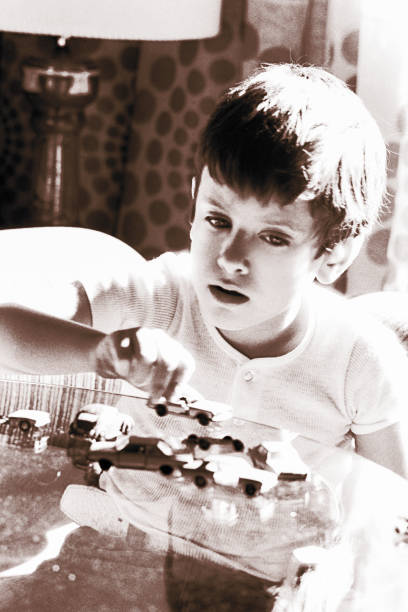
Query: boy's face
{"type": "Point", "coordinates": [252, 263]}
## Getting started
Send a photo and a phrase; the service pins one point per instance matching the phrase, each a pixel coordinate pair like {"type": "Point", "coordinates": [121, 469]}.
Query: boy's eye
{"type": "Point", "coordinates": [217, 222]}
{"type": "Point", "coordinates": [275, 240]}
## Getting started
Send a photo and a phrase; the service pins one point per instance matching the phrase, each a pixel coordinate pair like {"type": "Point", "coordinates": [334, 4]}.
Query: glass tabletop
{"type": "Point", "coordinates": [211, 524]}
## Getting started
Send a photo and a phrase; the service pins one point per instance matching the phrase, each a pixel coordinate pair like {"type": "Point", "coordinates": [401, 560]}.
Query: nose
{"type": "Point", "coordinates": [233, 256]}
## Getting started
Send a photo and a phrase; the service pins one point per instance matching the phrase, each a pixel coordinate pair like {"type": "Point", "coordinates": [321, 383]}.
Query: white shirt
{"type": "Point", "coordinates": [348, 373]}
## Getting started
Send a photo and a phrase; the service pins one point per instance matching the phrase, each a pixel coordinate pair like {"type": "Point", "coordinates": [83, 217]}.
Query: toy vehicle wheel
{"type": "Point", "coordinates": [227, 438]}
{"type": "Point", "coordinates": [24, 425]}
{"type": "Point", "coordinates": [200, 481]}
{"type": "Point", "coordinates": [203, 419]}
{"type": "Point", "coordinates": [193, 438]}
{"type": "Point", "coordinates": [238, 445]}
{"type": "Point", "coordinates": [91, 476]}
{"type": "Point", "coordinates": [161, 410]}
{"type": "Point", "coordinates": [250, 489]}
{"type": "Point", "coordinates": [105, 464]}
{"type": "Point", "coordinates": [204, 444]}
{"type": "Point", "coordinates": [166, 469]}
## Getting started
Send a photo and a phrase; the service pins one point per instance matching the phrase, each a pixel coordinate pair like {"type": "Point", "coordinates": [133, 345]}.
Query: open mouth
{"type": "Point", "coordinates": [227, 296]}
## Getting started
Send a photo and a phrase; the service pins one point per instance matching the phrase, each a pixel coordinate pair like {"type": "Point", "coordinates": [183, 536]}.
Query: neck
{"type": "Point", "coordinates": [272, 338]}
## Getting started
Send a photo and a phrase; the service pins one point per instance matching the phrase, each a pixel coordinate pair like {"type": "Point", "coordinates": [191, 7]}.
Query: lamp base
{"type": "Point", "coordinates": [59, 90]}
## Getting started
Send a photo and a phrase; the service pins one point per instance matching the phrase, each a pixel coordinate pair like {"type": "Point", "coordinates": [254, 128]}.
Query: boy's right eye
{"type": "Point", "coordinates": [217, 222]}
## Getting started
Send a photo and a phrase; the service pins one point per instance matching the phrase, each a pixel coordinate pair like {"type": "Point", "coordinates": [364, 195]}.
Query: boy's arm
{"type": "Point", "coordinates": [32, 342]}
{"type": "Point", "coordinates": [36, 343]}
{"type": "Point", "coordinates": [387, 446]}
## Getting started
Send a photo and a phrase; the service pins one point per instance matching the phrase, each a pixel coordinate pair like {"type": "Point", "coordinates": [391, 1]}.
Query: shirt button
{"type": "Point", "coordinates": [248, 376]}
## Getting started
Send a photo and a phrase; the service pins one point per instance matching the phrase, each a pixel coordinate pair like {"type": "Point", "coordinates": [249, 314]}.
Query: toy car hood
{"type": "Point", "coordinates": [39, 417]}
{"type": "Point", "coordinates": [218, 410]}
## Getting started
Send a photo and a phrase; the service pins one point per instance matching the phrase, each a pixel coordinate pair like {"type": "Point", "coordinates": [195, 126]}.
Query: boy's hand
{"type": "Point", "coordinates": [147, 358]}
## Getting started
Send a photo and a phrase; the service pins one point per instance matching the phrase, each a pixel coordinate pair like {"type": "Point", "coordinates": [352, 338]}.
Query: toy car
{"type": "Point", "coordinates": [27, 429]}
{"type": "Point", "coordinates": [141, 453]}
{"type": "Point", "coordinates": [277, 456]}
{"type": "Point", "coordinates": [200, 471]}
{"type": "Point", "coordinates": [232, 472]}
{"type": "Point", "coordinates": [84, 424]}
{"type": "Point", "coordinates": [100, 422]}
{"type": "Point", "coordinates": [204, 411]}
{"type": "Point", "coordinates": [225, 444]}
{"type": "Point", "coordinates": [291, 486]}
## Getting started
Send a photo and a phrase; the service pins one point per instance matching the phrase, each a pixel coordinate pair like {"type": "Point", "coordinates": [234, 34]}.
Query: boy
{"type": "Point", "coordinates": [291, 177]}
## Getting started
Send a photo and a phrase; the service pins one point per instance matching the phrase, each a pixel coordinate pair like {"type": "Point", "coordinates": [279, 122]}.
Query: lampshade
{"type": "Point", "coordinates": [114, 19]}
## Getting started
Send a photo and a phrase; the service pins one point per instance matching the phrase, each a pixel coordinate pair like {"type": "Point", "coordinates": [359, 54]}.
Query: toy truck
{"type": "Point", "coordinates": [29, 429]}
{"type": "Point", "coordinates": [231, 472]}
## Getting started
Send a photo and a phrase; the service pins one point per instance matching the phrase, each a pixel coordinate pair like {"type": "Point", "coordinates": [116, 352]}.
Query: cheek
{"type": "Point", "coordinates": [280, 273]}
{"type": "Point", "coordinates": [202, 244]}
{"type": "Point", "coordinates": [199, 253]}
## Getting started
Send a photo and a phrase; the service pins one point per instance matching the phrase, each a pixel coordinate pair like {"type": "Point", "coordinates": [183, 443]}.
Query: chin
{"type": "Point", "coordinates": [224, 317]}
{"type": "Point", "coordinates": [226, 321]}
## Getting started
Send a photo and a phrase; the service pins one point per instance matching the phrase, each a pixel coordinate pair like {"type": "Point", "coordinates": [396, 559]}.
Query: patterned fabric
{"type": "Point", "coordinates": [383, 45]}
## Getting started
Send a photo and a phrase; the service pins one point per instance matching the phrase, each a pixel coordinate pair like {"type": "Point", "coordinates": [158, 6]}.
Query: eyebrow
{"type": "Point", "coordinates": [214, 202]}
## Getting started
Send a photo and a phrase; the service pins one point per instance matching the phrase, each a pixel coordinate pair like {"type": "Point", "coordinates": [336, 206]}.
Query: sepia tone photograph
{"type": "Point", "coordinates": [203, 306]}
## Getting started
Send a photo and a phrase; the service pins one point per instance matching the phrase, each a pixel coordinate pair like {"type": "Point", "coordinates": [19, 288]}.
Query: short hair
{"type": "Point", "coordinates": [289, 129]}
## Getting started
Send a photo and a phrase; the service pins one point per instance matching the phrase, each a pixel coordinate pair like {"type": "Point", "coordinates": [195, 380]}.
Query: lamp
{"type": "Point", "coordinates": [60, 88]}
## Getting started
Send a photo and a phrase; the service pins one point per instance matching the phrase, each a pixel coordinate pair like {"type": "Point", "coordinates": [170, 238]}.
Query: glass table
{"type": "Point", "coordinates": [151, 541]}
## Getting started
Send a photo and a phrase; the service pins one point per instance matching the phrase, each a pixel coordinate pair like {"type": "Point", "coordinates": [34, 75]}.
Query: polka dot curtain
{"type": "Point", "coordinates": [342, 39]}
{"type": "Point", "coordinates": [365, 49]}
{"type": "Point", "coordinates": [286, 31]}
{"type": "Point", "coordinates": [175, 90]}
{"type": "Point", "coordinates": [383, 45]}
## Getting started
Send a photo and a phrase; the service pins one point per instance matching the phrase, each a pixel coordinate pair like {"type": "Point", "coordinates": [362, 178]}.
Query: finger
{"type": "Point", "coordinates": [177, 386]}
{"type": "Point", "coordinates": [174, 367]}
{"type": "Point", "coordinates": [161, 375]}
{"type": "Point", "coordinates": [145, 355]}
{"type": "Point", "coordinates": [173, 382]}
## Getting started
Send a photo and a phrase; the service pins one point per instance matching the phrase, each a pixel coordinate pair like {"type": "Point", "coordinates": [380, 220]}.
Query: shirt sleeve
{"type": "Point", "coordinates": [134, 292]}
{"type": "Point", "coordinates": [376, 389]}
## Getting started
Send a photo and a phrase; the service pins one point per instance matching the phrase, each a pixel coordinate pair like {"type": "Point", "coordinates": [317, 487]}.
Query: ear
{"type": "Point", "coordinates": [338, 259]}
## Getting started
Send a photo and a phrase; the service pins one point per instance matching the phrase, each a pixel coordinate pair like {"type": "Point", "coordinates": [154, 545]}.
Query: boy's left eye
{"type": "Point", "coordinates": [275, 240]}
